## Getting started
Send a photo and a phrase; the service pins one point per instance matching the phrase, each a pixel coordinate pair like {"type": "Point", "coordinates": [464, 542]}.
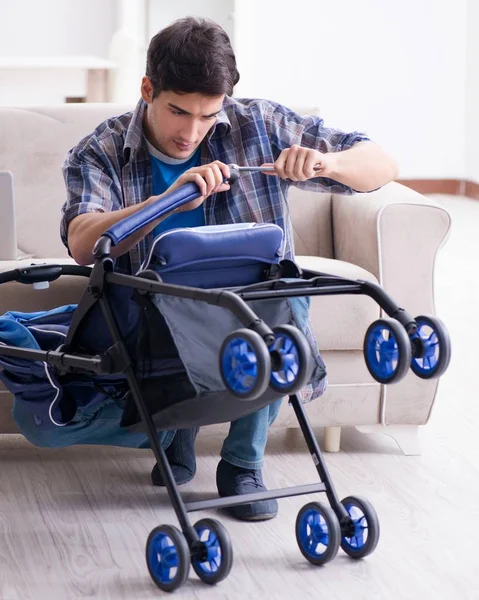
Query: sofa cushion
{"type": "Point", "coordinates": [33, 145]}
{"type": "Point", "coordinates": [340, 322]}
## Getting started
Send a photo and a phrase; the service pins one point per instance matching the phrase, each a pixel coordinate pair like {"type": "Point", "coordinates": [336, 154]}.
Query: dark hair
{"type": "Point", "coordinates": [192, 55]}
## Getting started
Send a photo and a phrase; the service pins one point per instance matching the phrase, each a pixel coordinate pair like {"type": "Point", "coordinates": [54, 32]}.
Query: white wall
{"type": "Point", "coordinates": [472, 93]}
{"type": "Point", "coordinates": [128, 51]}
{"type": "Point", "coordinates": [164, 12]}
{"type": "Point", "coordinates": [56, 27]}
{"type": "Point", "coordinates": [139, 21]}
{"type": "Point", "coordinates": [49, 32]}
{"type": "Point", "coordinates": [405, 72]}
{"type": "Point", "coordinates": [394, 69]}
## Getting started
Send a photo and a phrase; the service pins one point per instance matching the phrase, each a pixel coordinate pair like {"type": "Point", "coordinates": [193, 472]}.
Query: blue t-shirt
{"type": "Point", "coordinates": [165, 172]}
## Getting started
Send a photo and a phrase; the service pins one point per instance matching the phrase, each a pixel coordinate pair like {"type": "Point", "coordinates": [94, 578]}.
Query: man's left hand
{"type": "Point", "coordinates": [299, 164]}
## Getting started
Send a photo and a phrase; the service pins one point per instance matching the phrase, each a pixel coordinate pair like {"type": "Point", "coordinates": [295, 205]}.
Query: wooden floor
{"type": "Point", "coordinates": [73, 523]}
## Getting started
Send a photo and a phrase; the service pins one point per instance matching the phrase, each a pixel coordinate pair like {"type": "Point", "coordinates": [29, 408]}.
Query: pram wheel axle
{"type": "Point", "coordinates": [387, 351]}
{"type": "Point", "coordinates": [290, 360]}
{"type": "Point", "coordinates": [213, 558]}
{"type": "Point", "coordinates": [168, 557]}
{"type": "Point", "coordinates": [360, 535]}
{"type": "Point", "coordinates": [245, 364]}
{"type": "Point", "coordinates": [431, 348]}
{"type": "Point", "coordinates": [318, 533]}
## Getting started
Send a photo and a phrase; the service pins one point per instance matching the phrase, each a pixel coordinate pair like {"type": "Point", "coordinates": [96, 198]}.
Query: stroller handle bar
{"type": "Point", "coordinates": [130, 225]}
{"type": "Point", "coordinates": [167, 203]}
{"type": "Point", "coordinates": [40, 273]}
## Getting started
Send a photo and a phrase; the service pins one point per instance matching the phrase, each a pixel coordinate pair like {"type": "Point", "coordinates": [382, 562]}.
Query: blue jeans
{"type": "Point", "coordinates": [243, 447]}
{"type": "Point", "coordinates": [246, 441]}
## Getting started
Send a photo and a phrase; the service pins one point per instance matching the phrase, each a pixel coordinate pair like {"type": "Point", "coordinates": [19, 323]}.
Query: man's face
{"type": "Point", "coordinates": [175, 123]}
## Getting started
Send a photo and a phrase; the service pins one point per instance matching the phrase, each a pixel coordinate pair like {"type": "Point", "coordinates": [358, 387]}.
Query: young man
{"type": "Point", "coordinates": [187, 127]}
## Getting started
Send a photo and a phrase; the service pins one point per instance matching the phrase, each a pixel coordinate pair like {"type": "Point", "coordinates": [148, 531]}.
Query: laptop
{"type": "Point", "coordinates": [8, 229]}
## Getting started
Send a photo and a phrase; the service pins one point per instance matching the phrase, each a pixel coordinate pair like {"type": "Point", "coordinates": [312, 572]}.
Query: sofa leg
{"type": "Point", "coordinates": [405, 436]}
{"type": "Point", "coordinates": [332, 439]}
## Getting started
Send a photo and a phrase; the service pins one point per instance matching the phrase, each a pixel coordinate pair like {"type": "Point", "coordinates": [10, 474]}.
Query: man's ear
{"type": "Point", "coordinates": [147, 90]}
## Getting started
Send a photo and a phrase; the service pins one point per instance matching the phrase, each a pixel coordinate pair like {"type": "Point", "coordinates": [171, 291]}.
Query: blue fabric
{"type": "Point", "coordinates": [41, 399]}
{"type": "Point", "coordinates": [219, 255]}
{"type": "Point", "coordinates": [188, 218]}
{"type": "Point", "coordinates": [15, 334]}
{"type": "Point", "coordinates": [91, 425]}
{"type": "Point", "coordinates": [176, 198]}
{"type": "Point", "coordinates": [46, 421]}
{"type": "Point", "coordinates": [163, 176]}
{"type": "Point", "coordinates": [71, 409]}
{"type": "Point", "coordinates": [58, 314]}
{"type": "Point", "coordinates": [14, 326]}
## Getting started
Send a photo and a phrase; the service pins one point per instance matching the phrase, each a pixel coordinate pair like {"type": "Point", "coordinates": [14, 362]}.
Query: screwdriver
{"type": "Point", "coordinates": [266, 168]}
{"type": "Point", "coordinates": [235, 170]}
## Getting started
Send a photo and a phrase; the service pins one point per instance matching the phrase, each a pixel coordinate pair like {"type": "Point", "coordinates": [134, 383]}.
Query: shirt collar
{"type": "Point", "coordinates": [223, 125]}
{"type": "Point", "coordinates": [134, 138]}
{"type": "Point", "coordinates": [134, 134]}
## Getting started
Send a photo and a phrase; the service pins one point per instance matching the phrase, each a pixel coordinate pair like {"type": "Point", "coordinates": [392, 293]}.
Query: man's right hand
{"type": "Point", "coordinates": [209, 178]}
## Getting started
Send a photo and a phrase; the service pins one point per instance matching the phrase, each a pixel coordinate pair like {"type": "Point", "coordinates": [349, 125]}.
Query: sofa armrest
{"type": "Point", "coordinates": [8, 228]}
{"type": "Point", "coordinates": [395, 233]}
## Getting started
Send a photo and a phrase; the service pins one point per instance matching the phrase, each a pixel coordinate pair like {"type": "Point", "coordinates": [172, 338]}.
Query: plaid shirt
{"type": "Point", "coordinates": [110, 169]}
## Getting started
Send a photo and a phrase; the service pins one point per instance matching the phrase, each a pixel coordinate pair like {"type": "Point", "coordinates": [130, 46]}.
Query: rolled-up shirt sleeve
{"type": "Point", "coordinates": [287, 128]}
{"type": "Point", "coordinates": [90, 187]}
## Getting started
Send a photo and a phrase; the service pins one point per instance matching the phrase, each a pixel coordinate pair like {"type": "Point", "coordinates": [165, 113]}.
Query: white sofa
{"type": "Point", "coordinates": [390, 236]}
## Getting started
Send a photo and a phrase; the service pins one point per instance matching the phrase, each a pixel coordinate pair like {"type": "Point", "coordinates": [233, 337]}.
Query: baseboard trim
{"type": "Point", "coordinates": [453, 187]}
{"type": "Point", "coordinates": [472, 190]}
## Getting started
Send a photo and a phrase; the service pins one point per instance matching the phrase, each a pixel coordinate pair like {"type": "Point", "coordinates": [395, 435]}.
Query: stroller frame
{"type": "Point", "coordinates": [101, 276]}
{"type": "Point", "coordinates": [283, 280]}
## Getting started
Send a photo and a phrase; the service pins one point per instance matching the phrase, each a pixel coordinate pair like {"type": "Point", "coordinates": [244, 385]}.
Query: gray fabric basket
{"type": "Point", "coordinates": [199, 329]}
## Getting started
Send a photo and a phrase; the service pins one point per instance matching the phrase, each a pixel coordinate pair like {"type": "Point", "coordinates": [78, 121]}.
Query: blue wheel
{"type": "Point", "coordinates": [245, 364]}
{"type": "Point", "coordinates": [290, 360]}
{"type": "Point", "coordinates": [318, 533]}
{"type": "Point", "coordinates": [431, 348]}
{"type": "Point", "coordinates": [167, 557]}
{"type": "Point", "coordinates": [361, 533]}
{"type": "Point", "coordinates": [213, 560]}
{"type": "Point", "coordinates": [387, 350]}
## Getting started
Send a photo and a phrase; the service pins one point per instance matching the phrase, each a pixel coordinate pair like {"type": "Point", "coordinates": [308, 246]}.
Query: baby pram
{"type": "Point", "coordinates": [180, 356]}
